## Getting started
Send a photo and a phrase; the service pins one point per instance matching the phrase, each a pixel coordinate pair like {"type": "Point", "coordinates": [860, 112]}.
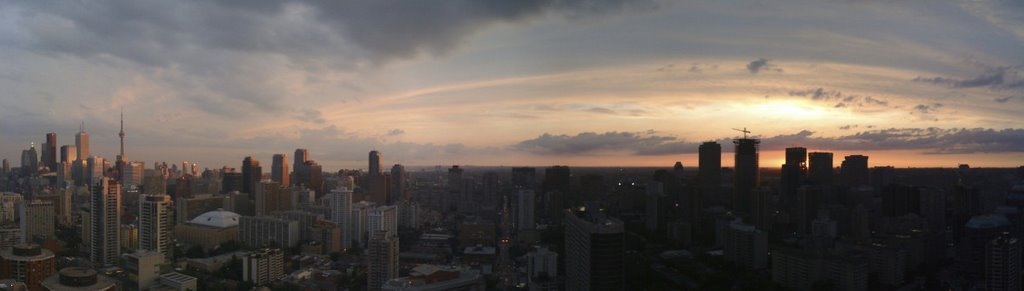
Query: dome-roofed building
{"type": "Point", "coordinates": [209, 229]}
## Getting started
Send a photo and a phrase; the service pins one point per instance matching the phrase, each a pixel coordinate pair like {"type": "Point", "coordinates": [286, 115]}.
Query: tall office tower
{"type": "Point", "coordinates": [6, 168]}
{"type": "Point", "coordinates": [314, 177]}
{"type": "Point", "coordinates": [37, 218]}
{"type": "Point", "coordinates": [94, 170]}
{"type": "Point", "coordinates": [490, 189]}
{"type": "Point", "coordinates": [454, 188]}
{"type": "Point", "coordinates": [358, 222]}
{"type": "Point", "coordinates": [82, 143]}
{"type": "Point", "coordinates": [301, 156]}
{"type": "Point", "coordinates": [747, 174]}
{"type": "Point", "coordinates": [279, 170]}
{"type": "Point", "coordinates": [264, 231]}
{"type": "Point", "coordinates": [882, 176]}
{"type": "Point", "coordinates": [251, 173]}
{"type": "Point", "coordinates": [794, 171]}
{"type": "Point", "coordinates": [382, 218]}
{"type": "Point", "coordinates": [978, 233]}
{"type": "Point", "coordinates": [231, 180]}
{"type": "Point", "coordinates": [595, 250]}
{"type": "Point", "coordinates": [341, 213]}
{"type": "Point", "coordinates": [1002, 264]}
{"type": "Point", "coordinates": [899, 200]}
{"type": "Point", "coordinates": [382, 259]}
{"type": "Point", "coordinates": [542, 269]}
{"type": "Point", "coordinates": [819, 171]}
{"type": "Point", "coordinates": [374, 168]}
{"type": "Point", "coordinates": [263, 266]}
{"type": "Point", "coordinates": [30, 161]}
{"type": "Point", "coordinates": [68, 154]}
{"type": "Point", "coordinates": [807, 203]}
{"type": "Point", "coordinates": [559, 178]}
{"type": "Point", "coordinates": [399, 183]}
{"type": "Point", "coordinates": [408, 214]}
{"type": "Point", "coordinates": [854, 171]}
{"type": "Point", "coordinates": [746, 246]}
{"type": "Point", "coordinates": [709, 171]}
{"type": "Point", "coordinates": [27, 263]}
{"type": "Point", "coordinates": [655, 190]}
{"type": "Point", "coordinates": [50, 151]}
{"type": "Point", "coordinates": [524, 210]}
{"type": "Point", "coordinates": [271, 197]}
{"type": "Point", "coordinates": [524, 178]}
{"type": "Point", "coordinates": [762, 209]}
{"type": "Point", "coordinates": [105, 207]}
{"type": "Point", "coordinates": [156, 226]}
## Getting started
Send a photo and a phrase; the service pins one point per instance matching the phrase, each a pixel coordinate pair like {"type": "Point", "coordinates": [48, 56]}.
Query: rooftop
{"type": "Point", "coordinates": [219, 218]}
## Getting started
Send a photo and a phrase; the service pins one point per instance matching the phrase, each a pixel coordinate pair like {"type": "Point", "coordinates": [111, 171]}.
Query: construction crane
{"type": "Point", "coordinates": [744, 131]}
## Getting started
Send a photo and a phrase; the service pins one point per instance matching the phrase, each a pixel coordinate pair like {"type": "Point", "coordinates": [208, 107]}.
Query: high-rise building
{"type": "Point", "coordinates": [132, 174]}
{"type": "Point", "coordinates": [30, 161]}
{"type": "Point", "coordinates": [455, 188]}
{"type": "Point", "coordinates": [595, 251]}
{"type": "Point", "coordinates": [27, 263]}
{"type": "Point", "coordinates": [746, 246]}
{"type": "Point", "coordinates": [746, 173]}
{"type": "Point", "coordinates": [899, 200]}
{"type": "Point", "coordinates": [129, 237]}
{"type": "Point", "coordinates": [263, 231]}
{"type": "Point", "coordinates": [358, 222]}
{"type": "Point", "coordinates": [82, 143]}
{"type": "Point", "coordinates": [709, 169]}
{"type": "Point", "coordinates": [301, 156]}
{"type": "Point", "coordinates": [382, 218]}
{"type": "Point", "coordinates": [279, 170]}
{"type": "Point", "coordinates": [524, 178]}
{"type": "Point", "coordinates": [794, 171]}
{"type": "Point", "coordinates": [399, 183]}
{"type": "Point", "coordinates": [105, 211]}
{"type": "Point", "coordinates": [978, 234]}
{"type": "Point", "coordinates": [854, 171]}
{"type": "Point", "coordinates": [819, 171]}
{"type": "Point", "coordinates": [1002, 264]}
{"type": "Point", "coordinates": [271, 197]}
{"type": "Point", "coordinates": [68, 154]}
{"type": "Point", "coordinates": [374, 168]}
{"type": "Point", "coordinates": [382, 259]}
{"type": "Point", "coordinates": [37, 217]}
{"type": "Point", "coordinates": [263, 266]}
{"type": "Point", "coordinates": [408, 214]}
{"type": "Point", "coordinates": [156, 226]}
{"type": "Point", "coordinates": [94, 170]}
{"type": "Point", "coordinates": [525, 210]}
{"type": "Point", "coordinates": [50, 151]}
{"type": "Point", "coordinates": [341, 214]}
{"type": "Point", "coordinates": [310, 175]}
{"type": "Point", "coordinates": [231, 181]}
{"type": "Point", "coordinates": [251, 175]}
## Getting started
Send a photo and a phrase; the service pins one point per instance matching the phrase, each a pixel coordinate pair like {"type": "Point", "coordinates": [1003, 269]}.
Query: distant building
{"type": "Point", "coordinates": [209, 229]}
{"type": "Point", "coordinates": [525, 210]}
{"type": "Point", "coordinates": [156, 226]}
{"type": "Point", "coordinates": [27, 263]}
{"type": "Point", "coordinates": [79, 279]}
{"type": "Point", "coordinates": [251, 175]}
{"type": "Point", "coordinates": [1002, 264]}
{"type": "Point", "coordinates": [143, 269]}
{"type": "Point", "coordinates": [978, 233]}
{"type": "Point", "coordinates": [279, 170]}
{"type": "Point", "coordinates": [270, 197]}
{"type": "Point", "coordinates": [820, 170]}
{"type": "Point", "coordinates": [37, 219]}
{"type": "Point", "coordinates": [382, 218]}
{"type": "Point", "coordinates": [179, 282]}
{"type": "Point", "coordinates": [595, 251]}
{"type": "Point", "coordinates": [382, 259]}
{"type": "Point", "coordinates": [263, 231]}
{"type": "Point", "coordinates": [437, 278]}
{"type": "Point", "coordinates": [746, 246]}
{"type": "Point", "coordinates": [747, 173]}
{"type": "Point", "coordinates": [341, 214]}
{"type": "Point", "coordinates": [542, 269]}
{"type": "Point", "coordinates": [263, 266]}
{"type": "Point", "coordinates": [105, 206]}
{"type": "Point", "coordinates": [854, 171]}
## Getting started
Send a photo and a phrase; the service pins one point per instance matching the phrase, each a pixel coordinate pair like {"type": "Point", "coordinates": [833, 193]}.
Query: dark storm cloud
{"type": "Point", "coordinates": [1006, 77]}
{"type": "Point", "coordinates": [927, 140]}
{"type": "Point", "coordinates": [761, 64]}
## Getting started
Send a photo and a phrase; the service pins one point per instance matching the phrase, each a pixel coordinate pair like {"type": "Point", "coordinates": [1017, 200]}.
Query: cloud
{"type": "Point", "coordinates": [762, 64]}
{"type": "Point", "coordinates": [1003, 99]}
{"type": "Point", "coordinates": [1000, 78]}
{"type": "Point", "coordinates": [310, 115]}
{"type": "Point", "coordinates": [926, 140]}
{"type": "Point", "coordinates": [396, 132]}
{"type": "Point", "coordinates": [843, 100]}
{"type": "Point", "coordinates": [927, 108]}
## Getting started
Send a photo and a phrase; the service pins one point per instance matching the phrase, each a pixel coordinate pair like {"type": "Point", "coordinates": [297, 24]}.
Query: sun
{"type": "Point", "coordinates": [790, 109]}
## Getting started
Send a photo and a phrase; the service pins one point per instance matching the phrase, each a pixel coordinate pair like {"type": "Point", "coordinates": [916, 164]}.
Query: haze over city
{"type": "Point", "coordinates": [582, 83]}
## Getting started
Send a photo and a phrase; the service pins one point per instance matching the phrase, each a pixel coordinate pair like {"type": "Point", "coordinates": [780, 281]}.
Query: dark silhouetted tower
{"type": "Point", "coordinates": [251, 173]}
{"type": "Point", "coordinates": [794, 171]}
{"type": "Point", "coordinates": [301, 156]}
{"type": "Point", "coordinates": [854, 171]}
{"type": "Point", "coordinates": [524, 178]}
{"type": "Point", "coordinates": [747, 174]}
{"type": "Point", "coordinates": [399, 180]}
{"type": "Point", "coordinates": [374, 167]}
{"type": "Point", "coordinates": [50, 151]}
{"type": "Point", "coordinates": [820, 169]}
{"type": "Point", "coordinates": [279, 170]}
{"type": "Point", "coordinates": [709, 171]}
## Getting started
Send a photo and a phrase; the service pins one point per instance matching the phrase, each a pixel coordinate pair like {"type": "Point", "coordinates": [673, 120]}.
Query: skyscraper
{"type": "Point", "coordinates": [37, 218]}
{"type": "Point", "coordinates": [454, 188]}
{"type": "Point", "coordinates": [382, 259]}
{"type": "Point", "coordinates": [1002, 264]}
{"type": "Point", "coordinates": [383, 218]}
{"type": "Point", "coordinates": [279, 170]}
{"type": "Point", "coordinates": [251, 173]}
{"type": "Point", "coordinates": [854, 171]}
{"type": "Point", "coordinates": [794, 172]}
{"type": "Point", "coordinates": [341, 213]}
{"type": "Point", "coordinates": [374, 168]}
{"type": "Point", "coordinates": [50, 151]}
{"type": "Point", "coordinates": [595, 251]}
{"type": "Point", "coordinates": [709, 171]}
{"type": "Point", "coordinates": [747, 174]}
{"type": "Point", "coordinates": [819, 171]}
{"type": "Point", "coordinates": [82, 142]}
{"type": "Point", "coordinates": [301, 156]}
{"type": "Point", "coordinates": [156, 226]}
{"type": "Point", "coordinates": [399, 180]}
{"type": "Point", "coordinates": [524, 210]}
{"type": "Point", "coordinates": [524, 178]}
{"type": "Point", "coordinates": [68, 154]}
{"type": "Point", "coordinates": [105, 207]}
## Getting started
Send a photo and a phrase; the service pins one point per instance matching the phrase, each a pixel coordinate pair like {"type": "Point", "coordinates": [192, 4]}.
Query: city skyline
{"type": "Point", "coordinates": [634, 83]}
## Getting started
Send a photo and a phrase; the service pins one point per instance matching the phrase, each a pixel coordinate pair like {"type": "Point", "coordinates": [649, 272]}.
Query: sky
{"type": "Point", "coordinates": [517, 82]}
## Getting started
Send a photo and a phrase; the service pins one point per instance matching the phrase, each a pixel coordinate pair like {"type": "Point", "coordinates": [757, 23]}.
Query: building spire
{"type": "Point", "coordinates": [121, 134]}
{"type": "Point", "coordinates": [81, 128]}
